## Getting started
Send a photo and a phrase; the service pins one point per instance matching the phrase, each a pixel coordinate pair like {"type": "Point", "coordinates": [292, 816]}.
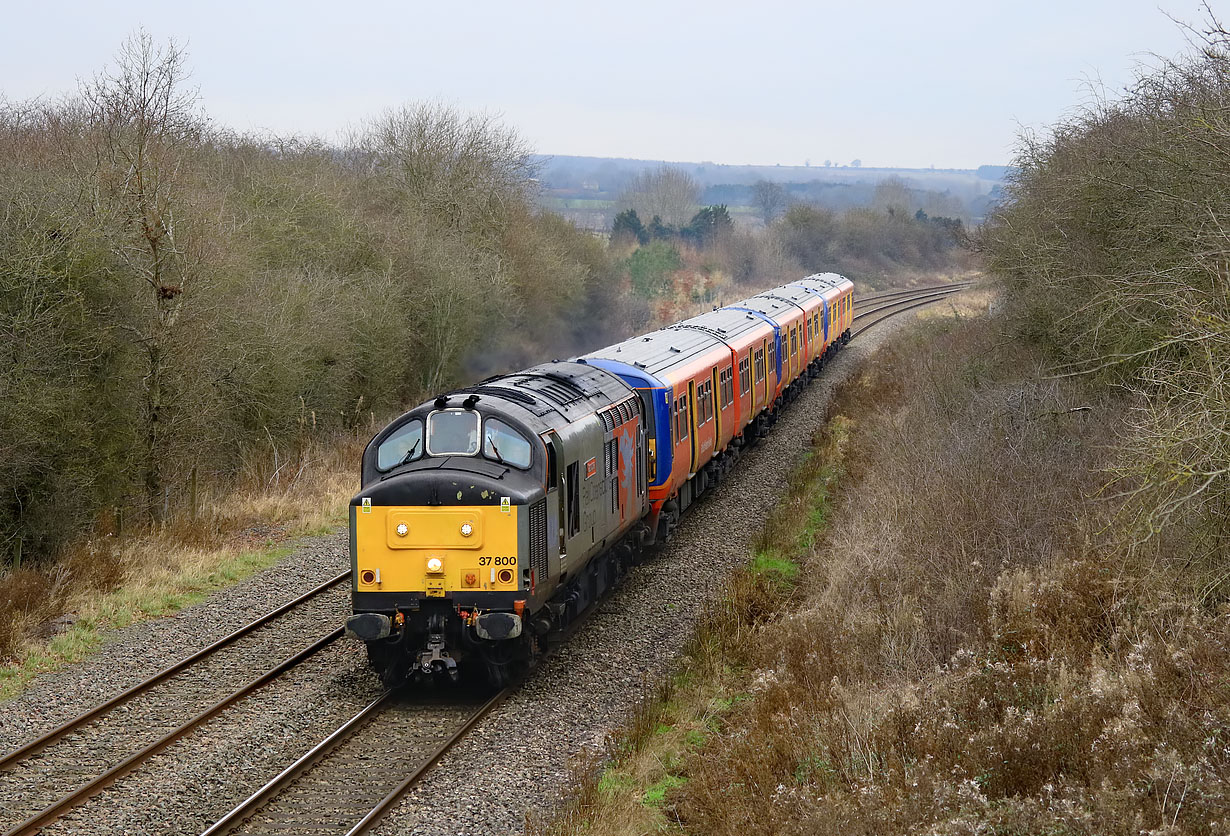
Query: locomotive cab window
{"type": "Point", "coordinates": [404, 445]}
{"type": "Point", "coordinates": [505, 445]}
{"type": "Point", "coordinates": [452, 432]}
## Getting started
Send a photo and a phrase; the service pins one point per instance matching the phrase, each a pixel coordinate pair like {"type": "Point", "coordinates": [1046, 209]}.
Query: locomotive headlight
{"type": "Point", "coordinates": [466, 529]}
{"type": "Point", "coordinates": [402, 529]}
{"type": "Point", "coordinates": [435, 564]}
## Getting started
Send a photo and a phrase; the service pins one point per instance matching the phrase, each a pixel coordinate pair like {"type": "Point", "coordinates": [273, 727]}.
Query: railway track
{"type": "Point", "coordinates": [886, 295]}
{"type": "Point", "coordinates": [349, 780]}
{"type": "Point", "coordinates": [62, 768]}
{"type": "Point", "coordinates": [871, 311]}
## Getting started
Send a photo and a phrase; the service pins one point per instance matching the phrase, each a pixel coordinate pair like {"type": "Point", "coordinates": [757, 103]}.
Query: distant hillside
{"type": "Point", "coordinates": [585, 188]}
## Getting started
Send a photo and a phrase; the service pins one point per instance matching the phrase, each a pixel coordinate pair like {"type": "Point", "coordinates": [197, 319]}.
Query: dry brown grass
{"type": "Point", "coordinates": [974, 654]}
{"type": "Point", "coordinates": [972, 646]}
{"type": "Point", "coordinates": [52, 614]}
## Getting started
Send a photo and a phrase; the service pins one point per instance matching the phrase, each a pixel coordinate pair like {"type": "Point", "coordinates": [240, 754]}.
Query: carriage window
{"type": "Point", "coordinates": [745, 376]}
{"type": "Point", "coordinates": [504, 444]}
{"type": "Point", "coordinates": [704, 401]}
{"type": "Point", "coordinates": [404, 445]}
{"type": "Point", "coordinates": [452, 432]}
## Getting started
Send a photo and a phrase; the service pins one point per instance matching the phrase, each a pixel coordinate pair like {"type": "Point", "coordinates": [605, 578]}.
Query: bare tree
{"type": "Point", "coordinates": [770, 198]}
{"type": "Point", "coordinates": [465, 169]}
{"type": "Point", "coordinates": [893, 194]}
{"type": "Point", "coordinates": [668, 193]}
{"type": "Point", "coordinates": [143, 121]}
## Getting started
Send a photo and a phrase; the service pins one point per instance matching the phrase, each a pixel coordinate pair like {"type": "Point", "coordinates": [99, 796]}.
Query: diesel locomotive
{"type": "Point", "coordinates": [492, 516]}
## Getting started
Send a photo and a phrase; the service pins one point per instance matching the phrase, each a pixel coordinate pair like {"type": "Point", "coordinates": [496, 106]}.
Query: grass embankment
{"type": "Point", "coordinates": [686, 711]}
{"type": "Point", "coordinates": [965, 645]}
{"type": "Point", "coordinates": [53, 616]}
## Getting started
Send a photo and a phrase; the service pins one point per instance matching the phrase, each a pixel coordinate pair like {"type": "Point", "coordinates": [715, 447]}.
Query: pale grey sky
{"type": "Point", "coordinates": [910, 84]}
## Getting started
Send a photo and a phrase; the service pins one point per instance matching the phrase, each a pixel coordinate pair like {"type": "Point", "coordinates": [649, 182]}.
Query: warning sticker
{"type": "Point", "coordinates": [591, 468]}
{"type": "Point", "coordinates": [505, 504]}
{"type": "Point", "coordinates": [367, 505]}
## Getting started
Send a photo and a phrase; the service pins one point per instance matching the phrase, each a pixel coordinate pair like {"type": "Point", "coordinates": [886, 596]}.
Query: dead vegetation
{"type": "Point", "coordinates": [52, 612]}
{"type": "Point", "coordinates": [971, 646]}
{"type": "Point", "coordinates": [974, 653]}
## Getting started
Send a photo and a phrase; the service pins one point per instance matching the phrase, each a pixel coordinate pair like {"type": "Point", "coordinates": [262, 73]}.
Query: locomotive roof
{"type": "Point", "coordinates": [538, 394]}
{"type": "Point", "coordinates": [544, 397]}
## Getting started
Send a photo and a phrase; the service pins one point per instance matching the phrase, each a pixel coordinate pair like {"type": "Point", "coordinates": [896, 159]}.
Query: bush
{"type": "Point", "coordinates": [1111, 250]}
{"type": "Point", "coordinates": [300, 290]}
{"type": "Point", "coordinates": [967, 650]}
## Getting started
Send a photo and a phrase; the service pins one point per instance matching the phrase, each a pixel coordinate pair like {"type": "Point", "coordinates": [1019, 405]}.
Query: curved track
{"type": "Point", "coordinates": [869, 312]}
{"type": "Point", "coordinates": [885, 295]}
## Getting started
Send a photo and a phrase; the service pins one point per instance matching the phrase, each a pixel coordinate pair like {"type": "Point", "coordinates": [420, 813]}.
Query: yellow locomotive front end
{"type": "Point", "coordinates": [437, 550]}
{"type": "Point", "coordinates": [441, 547]}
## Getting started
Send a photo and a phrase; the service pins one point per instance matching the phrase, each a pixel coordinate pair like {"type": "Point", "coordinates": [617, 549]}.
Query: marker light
{"type": "Point", "coordinates": [435, 564]}
{"type": "Point", "coordinates": [466, 529]}
{"type": "Point", "coordinates": [402, 529]}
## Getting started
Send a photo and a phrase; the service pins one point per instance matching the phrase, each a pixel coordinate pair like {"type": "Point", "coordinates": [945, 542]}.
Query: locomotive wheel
{"type": "Point", "coordinates": [506, 663]}
{"type": "Point", "coordinates": [390, 661]}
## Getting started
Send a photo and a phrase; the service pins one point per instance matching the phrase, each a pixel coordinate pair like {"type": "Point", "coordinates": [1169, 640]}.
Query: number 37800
{"type": "Point", "coordinates": [497, 561]}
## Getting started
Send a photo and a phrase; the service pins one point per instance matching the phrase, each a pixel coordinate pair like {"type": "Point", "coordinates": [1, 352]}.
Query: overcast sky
{"type": "Point", "coordinates": [907, 84]}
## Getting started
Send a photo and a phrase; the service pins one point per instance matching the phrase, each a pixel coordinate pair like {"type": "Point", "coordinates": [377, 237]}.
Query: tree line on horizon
{"type": "Point", "coordinates": [874, 244]}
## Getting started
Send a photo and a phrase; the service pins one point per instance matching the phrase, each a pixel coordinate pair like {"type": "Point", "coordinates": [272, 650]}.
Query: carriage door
{"type": "Point", "coordinates": [764, 375]}
{"type": "Point", "coordinates": [691, 419]}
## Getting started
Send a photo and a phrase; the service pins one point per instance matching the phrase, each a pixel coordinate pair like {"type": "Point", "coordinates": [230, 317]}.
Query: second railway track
{"type": "Point", "coordinates": [870, 311]}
